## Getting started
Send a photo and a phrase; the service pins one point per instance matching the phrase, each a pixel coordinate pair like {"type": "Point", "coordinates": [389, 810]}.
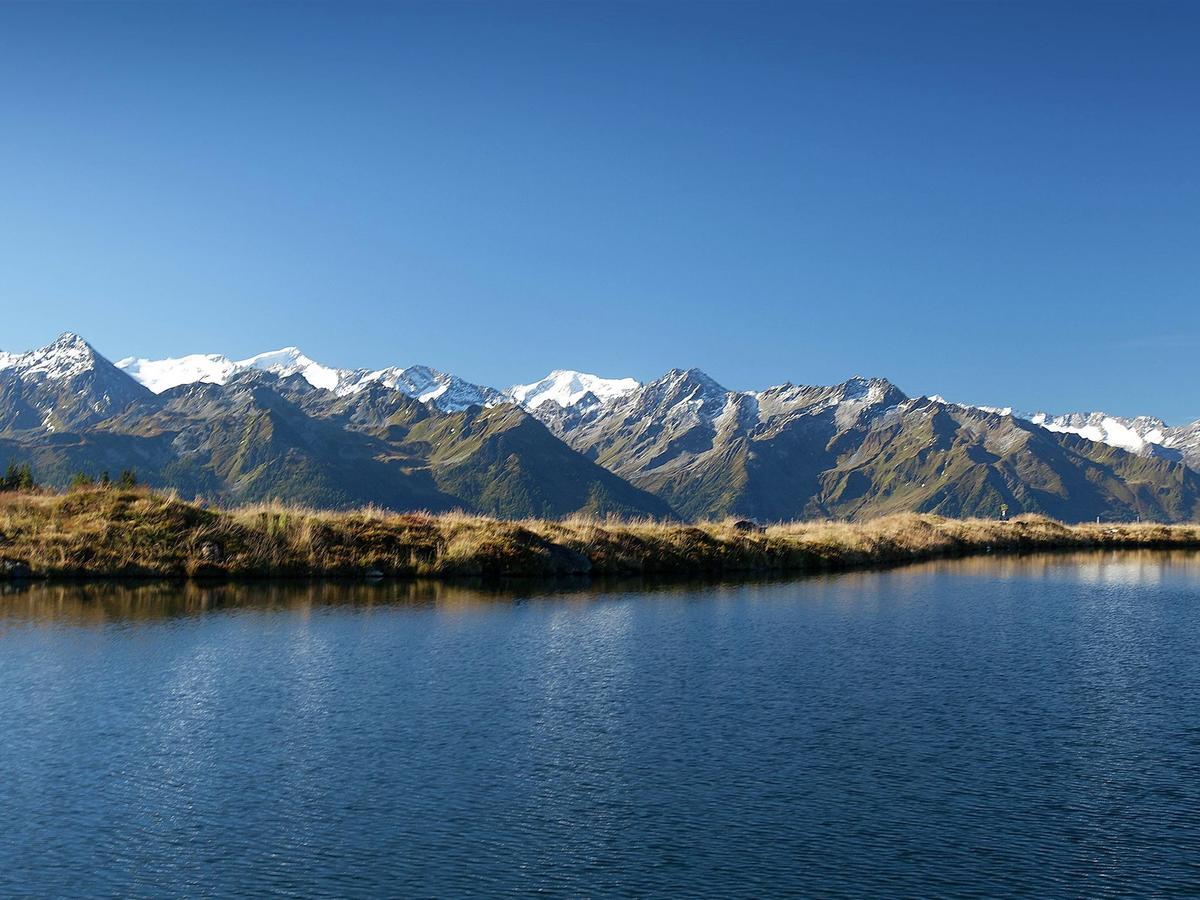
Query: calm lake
{"type": "Point", "coordinates": [971, 728]}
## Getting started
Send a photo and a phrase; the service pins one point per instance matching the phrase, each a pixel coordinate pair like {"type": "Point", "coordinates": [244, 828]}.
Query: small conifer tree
{"type": "Point", "coordinates": [17, 478]}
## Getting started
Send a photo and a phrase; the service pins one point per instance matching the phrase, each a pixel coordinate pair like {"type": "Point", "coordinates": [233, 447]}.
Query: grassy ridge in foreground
{"type": "Point", "coordinates": [111, 532]}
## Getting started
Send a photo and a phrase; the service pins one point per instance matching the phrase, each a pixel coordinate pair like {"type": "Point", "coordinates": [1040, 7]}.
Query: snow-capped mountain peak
{"type": "Point", "coordinates": [162, 374]}
{"type": "Point", "coordinates": [858, 389]}
{"type": "Point", "coordinates": [567, 387]}
{"type": "Point", "coordinates": [64, 385]}
{"type": "Point", "coordinates": [68, 356]}
{"type": "Point", "coordinates": [681, 395]}
{"type": "Point", "coordinates": [447, 392]}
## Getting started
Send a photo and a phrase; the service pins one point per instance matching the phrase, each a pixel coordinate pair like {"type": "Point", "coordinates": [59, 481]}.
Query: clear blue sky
{"type": "Point", "coordinates": [998, 203]}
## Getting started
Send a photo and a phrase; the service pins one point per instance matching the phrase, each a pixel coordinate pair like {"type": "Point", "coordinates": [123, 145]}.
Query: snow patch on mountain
{"type": "Point", "coordinates": [1134, 435]}
{"type": "Point", "coordinates": [290, 361]}
{"type": "Point", "coordinates": [1145, 435]}
{"type": "Point", "coordinates": [993, 410]}
{"type": "Point", "coordinates": [567, 387]}
{"type": "Point", "coordinates": [447, 392]}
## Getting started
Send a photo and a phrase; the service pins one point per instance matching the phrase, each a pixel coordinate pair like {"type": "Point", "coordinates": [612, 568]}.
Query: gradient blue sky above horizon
{"type": "Point", "coordinates": [998, 203]}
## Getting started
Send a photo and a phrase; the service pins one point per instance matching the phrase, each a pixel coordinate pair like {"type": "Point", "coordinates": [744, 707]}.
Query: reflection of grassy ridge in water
{"type": "Point", "coordinates": [101, 601]}
{"type": "Point", "coordinates": [96, 603]}
{"type": "Point", "coordinates": [110, 532]}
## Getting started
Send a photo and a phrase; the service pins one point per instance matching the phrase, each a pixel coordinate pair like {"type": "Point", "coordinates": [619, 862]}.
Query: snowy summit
{"type": "Point", "coordinates": [163, 374]}
{"type": "Point", "coordinates": [68, 356]}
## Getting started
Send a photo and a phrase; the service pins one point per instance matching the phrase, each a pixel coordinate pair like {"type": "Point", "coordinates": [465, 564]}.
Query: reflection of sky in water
{"type": "Point", "coordinates": [1121, 572]}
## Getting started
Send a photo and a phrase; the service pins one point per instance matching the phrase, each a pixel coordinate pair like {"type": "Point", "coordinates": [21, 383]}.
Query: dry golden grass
{"type": "Point", "coordinates": [111, 532]}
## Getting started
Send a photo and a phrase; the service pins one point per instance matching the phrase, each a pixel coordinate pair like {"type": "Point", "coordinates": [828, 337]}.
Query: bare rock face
{"type": "Point", "coordinates": [15, 569]}
{"type": "Point", "coordinates": [745, 525]}
{"type": "Point", "coordinates": [210, 552]}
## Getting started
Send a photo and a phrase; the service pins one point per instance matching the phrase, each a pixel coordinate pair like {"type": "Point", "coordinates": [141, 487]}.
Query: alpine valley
{"type": "Point", "coordinates": [282, 426]}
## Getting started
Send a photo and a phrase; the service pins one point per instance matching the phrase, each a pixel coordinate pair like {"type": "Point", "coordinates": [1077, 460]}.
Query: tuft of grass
{"type": "Point", "coordinates": [117, 532]}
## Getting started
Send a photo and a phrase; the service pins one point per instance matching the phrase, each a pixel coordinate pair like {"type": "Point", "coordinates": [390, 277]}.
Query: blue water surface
{"type": "Point", "coordinates": [973, 728]}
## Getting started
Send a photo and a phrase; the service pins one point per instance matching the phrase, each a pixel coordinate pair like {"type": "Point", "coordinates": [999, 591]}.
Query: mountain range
{"type": "Point", "coordinates": [281, 425]}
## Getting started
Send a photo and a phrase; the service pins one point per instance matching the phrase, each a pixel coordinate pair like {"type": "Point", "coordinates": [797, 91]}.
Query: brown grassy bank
{"type": "Point", "coordinates": [114, 533]}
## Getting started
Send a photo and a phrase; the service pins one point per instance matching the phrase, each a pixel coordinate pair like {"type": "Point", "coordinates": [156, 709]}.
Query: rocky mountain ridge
{"type": "Point", "coordinates": [281, 425]}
